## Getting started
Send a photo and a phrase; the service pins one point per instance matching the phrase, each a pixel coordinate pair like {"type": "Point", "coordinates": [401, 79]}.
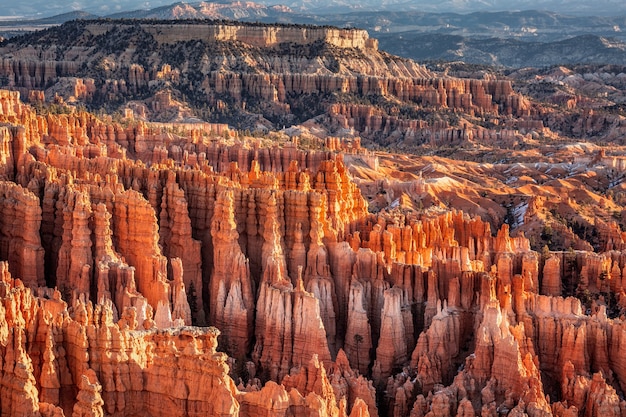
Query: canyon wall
{"type": "Point", "coordinates": [282, 73]}
{"type": "Point", "coordinates": [318, 306]}
{"type": "Point", "coordinates": [255, 35]}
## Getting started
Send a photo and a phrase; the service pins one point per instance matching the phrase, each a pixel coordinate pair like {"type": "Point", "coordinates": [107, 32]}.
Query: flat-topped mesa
{"type": "Point", "coordinates": [283, 65]}
{"type": "Point", "coordinates": [258, 35]}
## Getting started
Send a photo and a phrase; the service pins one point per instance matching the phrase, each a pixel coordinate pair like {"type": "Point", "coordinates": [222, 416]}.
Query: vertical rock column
{"type": "Point", "coordinates": [89, 401]}
{"type": "Point", "coordinates": [19, 395]}
{"type": "Point", "coordinates": [309, 335]}
{"type": "Point", "coordinates": [230, 288]}
{"type": "Point", "coordinates": [176, 240]}
{"type": "Point", "coordinates": [551, 283]}
{"type": "Point", "coordinates": [436, 349]}
{"type": "Point", "coordinates": [358, 335]}
{"type": "Point", "coordinates": [289, 327]}
{"type": "Point", "coordinates": [7, 162]}
{"type": "Point", "coordinates": [274, 308]}
{"type": "Point", "coordinates": [20, 242]}
{"type": "Point", "coordinates": [391, 351]}
{"type": "Point", "coordinates": [317, 279]}
{"type": "Point", "coordinates": [114, 279]}
{"type": "Point", "coordinates": [74, 269]}
{"type": "Point", "coordinates": [137, 232]}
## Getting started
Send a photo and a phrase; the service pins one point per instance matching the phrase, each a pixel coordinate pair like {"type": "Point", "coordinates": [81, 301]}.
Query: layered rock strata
{"type": "Point", "coordinates": [324, 308]}
{"type": "Point", "coordinates": [284, 73]}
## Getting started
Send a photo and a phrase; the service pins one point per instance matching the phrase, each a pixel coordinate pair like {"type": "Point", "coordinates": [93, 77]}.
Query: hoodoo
{"type": "Point", "coordinates": [153, 264]}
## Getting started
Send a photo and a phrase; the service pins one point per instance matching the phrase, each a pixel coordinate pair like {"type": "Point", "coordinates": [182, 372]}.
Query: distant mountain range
{"type": "Point", "coordinates": [38, 8]}
{"type": "Point", "coordinates": [506, 38]}
{"type": "Point", "coordinates": [534, 25]}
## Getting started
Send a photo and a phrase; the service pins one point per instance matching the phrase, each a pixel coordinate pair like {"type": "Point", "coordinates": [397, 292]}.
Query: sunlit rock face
{"type": "Point", "coordinates": [193, 269]}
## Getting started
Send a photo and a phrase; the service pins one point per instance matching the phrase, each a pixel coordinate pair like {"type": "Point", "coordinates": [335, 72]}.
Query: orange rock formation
{"type": "Point", "coordinates": [115, 240]}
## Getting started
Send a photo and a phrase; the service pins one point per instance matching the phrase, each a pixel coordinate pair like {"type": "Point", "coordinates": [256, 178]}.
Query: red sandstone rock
{"type": "Point", "coordinates": [231, 291]}
{"type": "Point", "coordinates": [20, 242]}
{"type": "Point", "coordinates": [551, 284]}
{"type": "Point", "coordinates": [436, 348]}
{"type": "Point", "coordinates": [89, 402]}
{"type": "Point", "coordinates": [128, 233]}
{"type": "Point", "coordinates": [358, 340]}
{"type": "Point", "coordinates": [75, 254]}
{"type": "Point", "coordinates": [391, 351]}
{"type": "Point", "coordinates": [19, 392]}
{"type": "Point", "coordinates": [177, 242]}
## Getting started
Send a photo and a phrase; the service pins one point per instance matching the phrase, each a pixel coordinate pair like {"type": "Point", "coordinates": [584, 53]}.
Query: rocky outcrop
{"type": "Point", "coordinates": [177, 242]}
{"type": "Point", "coordinates": [231, 288]}
{"type": "Point", "coordinates": [391, 350]}
{"type": "Point", "coordinates": [437, 349]}
{"type": "Point", "coordinates": [279, 82]}
{"type": "Point", "coordinates": [136, 230]}
{"type": "Point", "coordinates": [551, 284]}
{"type": "Point", "coordinates": [312, 378]}
{"type": "Point", "coordinates": [88, 401]}
{"type": "Point", "coordinates": [20, 243]}
{"type": "Point", "coordinates": [75, 260]}
{"type": "Point", "coordinates": [7, 159]}
{"type": "Point", "coordinates": [19, 391]}
{"type": "Point", "coordinates": [358, 340]}
{"type": "Point", "coordinates": [115, 369]}
{"type": "Point", "coordinates": [289, 328]}
{"type": "Point", "coordinates": [256, 35]}
{"type": "Point", "coordinates": [400, 312]}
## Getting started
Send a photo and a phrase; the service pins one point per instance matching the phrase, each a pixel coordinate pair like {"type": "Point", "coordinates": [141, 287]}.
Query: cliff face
{"type": "Point", "coordinates": [236, 73]}
{"type": "Point", "coordinates": [258, 76]}
{"type": "Point", "coordinates": [115, 239]}
{"type": "Point", "coordinates": [260, 36]}
{"type": "Point", "coordinates": [20, 242]}
{"type": "Point", "coordinates": [275, 247]}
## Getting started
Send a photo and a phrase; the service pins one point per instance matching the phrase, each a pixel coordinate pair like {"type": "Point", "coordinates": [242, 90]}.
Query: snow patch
{"type": "Point", "coordinates": [519, 212]}
{"type": "Point", "coordinates": [443, 182]}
